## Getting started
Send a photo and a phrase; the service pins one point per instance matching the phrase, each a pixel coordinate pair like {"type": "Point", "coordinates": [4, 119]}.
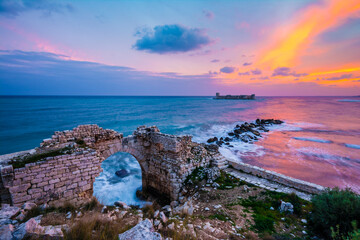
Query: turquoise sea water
{"type": "Point", "coordinates": [320, 141]}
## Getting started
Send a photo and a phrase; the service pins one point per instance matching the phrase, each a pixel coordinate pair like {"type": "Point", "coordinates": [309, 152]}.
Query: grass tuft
{"type": "Point", "coordinates": [20, 162]}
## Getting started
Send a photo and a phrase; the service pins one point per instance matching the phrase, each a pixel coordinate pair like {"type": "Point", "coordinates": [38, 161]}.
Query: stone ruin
{"type": "Point", "coordinates": [165, 162]}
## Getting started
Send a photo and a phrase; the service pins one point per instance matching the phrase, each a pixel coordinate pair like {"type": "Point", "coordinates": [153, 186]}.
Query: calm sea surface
{"type": "Point", "coordinates": [320, 141]}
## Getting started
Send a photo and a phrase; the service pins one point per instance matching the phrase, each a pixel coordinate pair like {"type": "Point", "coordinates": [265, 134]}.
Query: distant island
{"type": "Point", "coordinates": [240, 97]}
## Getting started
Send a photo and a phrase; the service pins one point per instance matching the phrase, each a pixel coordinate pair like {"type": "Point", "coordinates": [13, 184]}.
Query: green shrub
{"type": "Point", "coordinates": [263, 223]}
{"type": "Point", "coordinates": [334, 209]}
{"type": "Point", "coordinates": [264, 218]}
{"type": "Point", "coordinates": [219, 216]}
{"type": "Point", "coordinates": [196, 176]}
{"type": "Point", "coordinates": [355, 235]}
{"type": "Point", "coordinates": [226, 180]}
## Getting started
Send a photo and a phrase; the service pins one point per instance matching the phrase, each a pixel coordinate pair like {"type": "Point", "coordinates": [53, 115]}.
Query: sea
{"type": "Point", "coordinates": [319, 141]}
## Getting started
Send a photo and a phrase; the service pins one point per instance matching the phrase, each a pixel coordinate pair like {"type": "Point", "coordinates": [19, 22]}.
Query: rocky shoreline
{"type": "Point", "coordinates": [246, 132]}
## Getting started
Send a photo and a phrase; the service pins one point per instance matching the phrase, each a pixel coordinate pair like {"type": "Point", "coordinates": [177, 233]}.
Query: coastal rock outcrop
{"type": "Point", "coordinates": [143, 230]}
{"type": "Point", "coordinates": [246, 132]}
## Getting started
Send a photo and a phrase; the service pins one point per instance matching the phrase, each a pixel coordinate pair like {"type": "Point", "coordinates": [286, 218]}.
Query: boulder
{"type": "Point", "coordinates": [211, 140]}
{"type": "Point", "coordinates": [28, 206]}
{"type": "Point", "coordinates": [286, 207]}
{"type": "Point", "coordinates": [53, 232]}
{"type": "Point", "coordinates": [163, 217]}
{"type": "Point", "coordinates": [143, 230]}
{"type": "Point", "coordinates": [29, 228]}
{"type": "Point", "coordinates": [5, 232]}
{"type": "Point", "coordinates": [8, 211]}
{"type": "Point", "coordinates": [122, 205]}
{"type": "Point", "coordinates": [122, 173]}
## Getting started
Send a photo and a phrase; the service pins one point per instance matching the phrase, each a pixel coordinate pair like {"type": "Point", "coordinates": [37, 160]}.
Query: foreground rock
{"type": "Point", "coordinates": [143, 230]}
{"type": "Point", "coordinates": [32, 228]}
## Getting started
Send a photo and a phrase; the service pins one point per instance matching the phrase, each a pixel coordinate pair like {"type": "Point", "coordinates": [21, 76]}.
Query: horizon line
{"type": "Point", "coordinates": [76, 95]}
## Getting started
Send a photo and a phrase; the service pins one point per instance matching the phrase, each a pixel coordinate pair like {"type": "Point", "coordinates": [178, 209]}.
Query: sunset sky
{"type": "Point", "coordinates": [148, 47]}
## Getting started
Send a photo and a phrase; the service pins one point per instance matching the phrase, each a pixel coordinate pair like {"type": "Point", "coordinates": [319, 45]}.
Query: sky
{"type": "Point", "coordinates": [185, 47]}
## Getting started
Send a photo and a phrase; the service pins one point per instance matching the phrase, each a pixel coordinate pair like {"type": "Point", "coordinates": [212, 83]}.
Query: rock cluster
{"type": "Point", "coordinates": [246, 132]}
{"type": "Point", "coordinates": [11, 227]}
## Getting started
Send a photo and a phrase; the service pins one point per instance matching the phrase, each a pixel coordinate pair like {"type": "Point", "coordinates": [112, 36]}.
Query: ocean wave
{"type": "Point", "coordinates": [352, 146]}
{"type": "Point", "coordinates": [319, 140]}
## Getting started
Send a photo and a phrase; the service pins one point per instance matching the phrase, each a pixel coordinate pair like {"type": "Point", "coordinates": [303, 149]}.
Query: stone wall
{"type": "Point", "coordinates": [165, 161]}
{"type": "Point", "coordinates": [279, 178]}
{"type": "Point", "coordinates": [56, 180]}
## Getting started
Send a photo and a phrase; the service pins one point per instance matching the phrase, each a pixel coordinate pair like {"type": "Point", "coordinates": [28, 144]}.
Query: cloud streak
{"type": "Point", "coordinates": [175, 38]}
{"type": "Point", "coordinates": [285, 72]}
{"type": "Point", "coordinates": [13, 8]}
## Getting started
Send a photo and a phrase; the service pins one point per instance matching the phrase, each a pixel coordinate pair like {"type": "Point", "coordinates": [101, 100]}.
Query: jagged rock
{"type": "Point", "coordinates": [44, 206]}
{"type": "Point", "coordinates": [20, 217]}
{"type": "Point", "coordinates": [212, 173]}
{"type": "Point", "coordinates": [122, 173]}
{"type": "Point", "coordinates": [68, 215]}
{"type": "Point", "coordinates": [143, 230]}
{"type": "Point", "coordinates": [28, 205]}
{"type": "Point", "coordinates": [163, 217]}
{"type": "Point", "coordinates": [166, 209]}
{"type": "Point", "coordinates": [174, 204]}
{"type": "Point", "coordinates": [31, 227]}
{"type": "Point", "coordinates": [215, 185]}
{"type": "Point", "coordinates": [186, 208]}
{"type": "Point", "coordinates": [211, 140]}
{"type": "Point", "coordinates": [286, 207]}
{"type": "Point", "coordinates": [171, 226]}
{"type": "Point", "coordinates": [122, 205]}
{"type": "Point", "coordinates": [6, 232]}
{"type": "Point", "coordinates": [156, 223]}
{"type": "Point", "coordinates": [156, 213]}
{"type": "Point", "coordinates": [103, 209]}
{"type": "Point", "coordinates": [8, 211]}
{"type": "Point", "coordinates": [53, 232]}
{"type": "Point", "coordinates": [191, 230]}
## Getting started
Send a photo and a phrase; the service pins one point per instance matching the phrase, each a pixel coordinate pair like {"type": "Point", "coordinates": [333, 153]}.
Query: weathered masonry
{"type": "Point", "coordinates": [165, 161]}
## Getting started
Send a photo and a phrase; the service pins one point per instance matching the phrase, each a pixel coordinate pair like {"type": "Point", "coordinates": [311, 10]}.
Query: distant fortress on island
{"type": "Point", "coordinates": [240, 97]}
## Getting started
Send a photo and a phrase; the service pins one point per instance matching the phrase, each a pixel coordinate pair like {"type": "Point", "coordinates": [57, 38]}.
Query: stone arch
{"type": "Point", "coordinates": [127, 145]}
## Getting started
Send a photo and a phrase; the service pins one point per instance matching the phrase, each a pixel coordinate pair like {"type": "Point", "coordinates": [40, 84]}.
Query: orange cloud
{"type": "Point", "coordinates": [315, 20]}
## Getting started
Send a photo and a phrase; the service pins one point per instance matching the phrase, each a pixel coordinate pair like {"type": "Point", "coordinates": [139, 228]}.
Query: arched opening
{"type": "Point", "coordinates": [120, 179]}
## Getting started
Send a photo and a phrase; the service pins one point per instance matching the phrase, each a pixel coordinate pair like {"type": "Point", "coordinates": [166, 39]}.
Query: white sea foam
{"type": "Point", "coordinates": [312, 139]}
{"type": "Point", "coordinates": [109, 188]}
